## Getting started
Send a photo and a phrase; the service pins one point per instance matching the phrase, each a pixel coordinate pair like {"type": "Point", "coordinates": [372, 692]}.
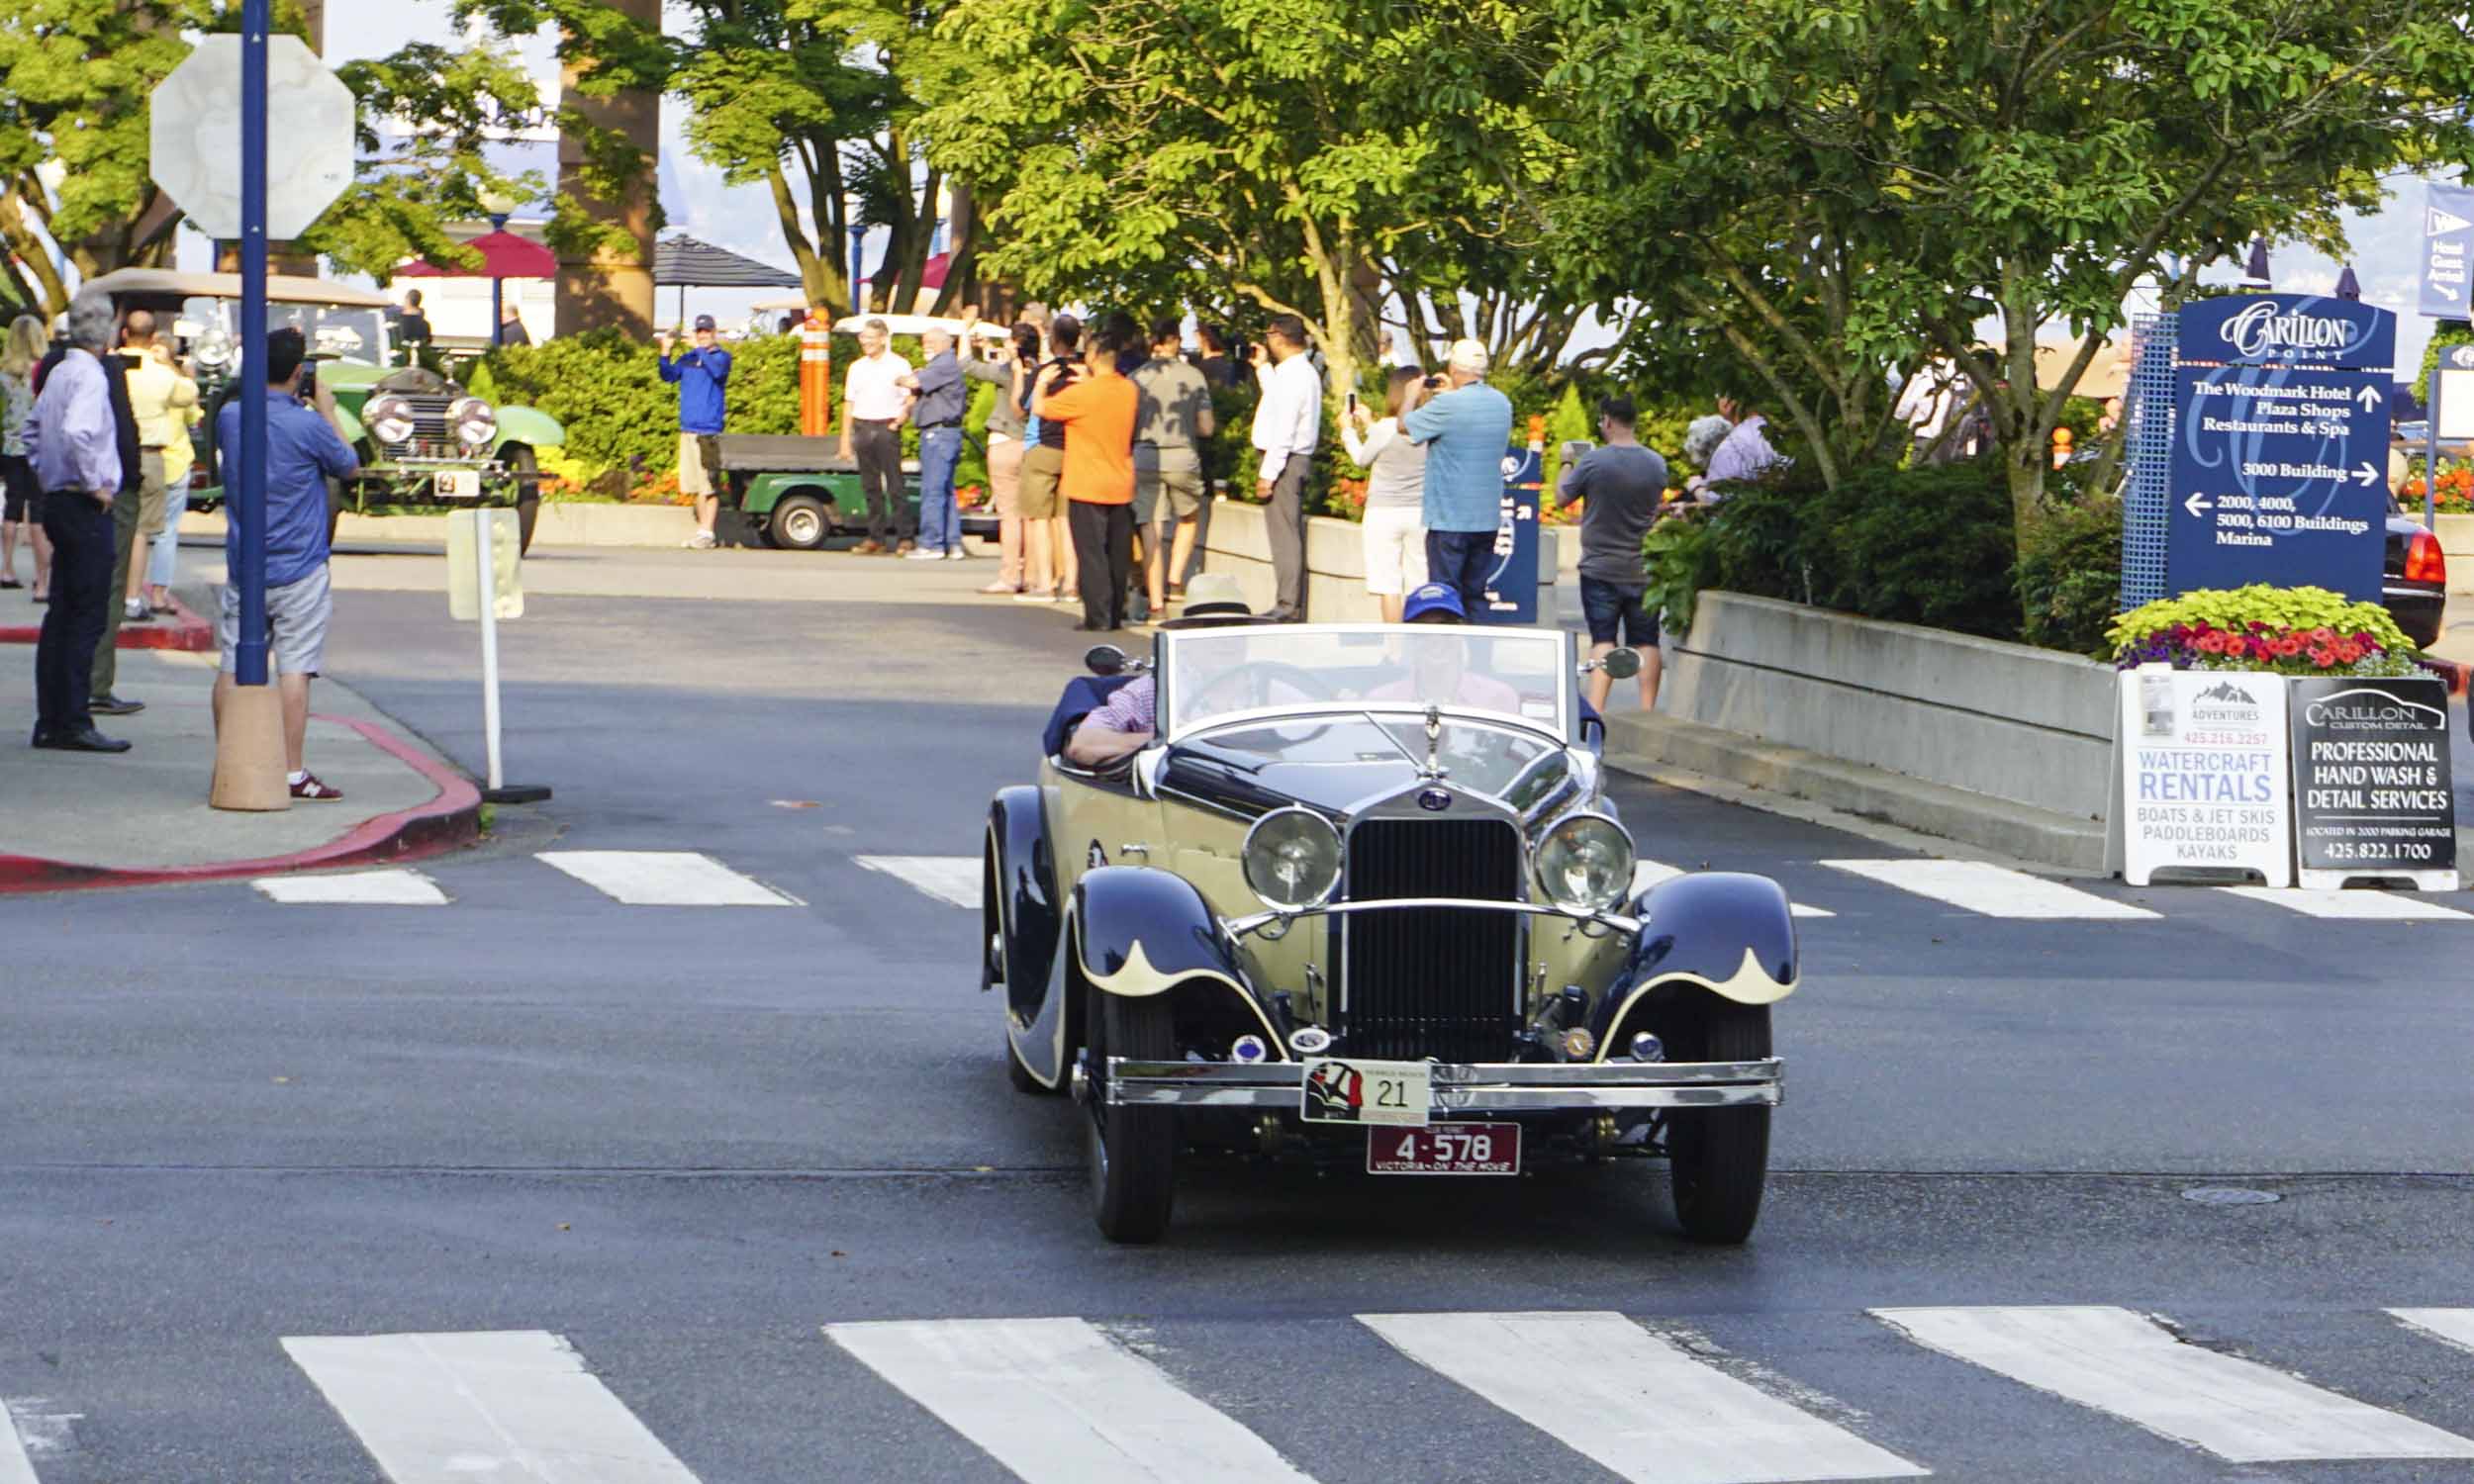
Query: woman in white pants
{"type": "Point", "coordinates": [1394, 531]}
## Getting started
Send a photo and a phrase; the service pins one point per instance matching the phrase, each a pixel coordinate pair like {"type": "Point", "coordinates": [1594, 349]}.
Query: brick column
{"type": "Point", "coordinates": [613, 287]}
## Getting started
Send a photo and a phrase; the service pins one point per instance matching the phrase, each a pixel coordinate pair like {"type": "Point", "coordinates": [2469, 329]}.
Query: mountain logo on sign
{"type": "Point", "coordinates": [2260, 329]}
{"type": "Point", "coordinates": [2226, 691]}
{"type": "Point", "coordinates": [2437, 222]}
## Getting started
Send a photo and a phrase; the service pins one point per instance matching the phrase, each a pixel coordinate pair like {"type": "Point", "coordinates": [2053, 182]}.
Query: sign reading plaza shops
{"type": "Point", "coordinates": [2372, 791]}
{"type": "Point", "coordinates": [2205, 776]}
{"type": "Point", "coordinates": [2280, 444]}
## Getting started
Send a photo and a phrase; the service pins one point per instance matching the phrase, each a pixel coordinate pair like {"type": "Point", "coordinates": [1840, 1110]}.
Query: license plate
{"type": "Point", "coordinates": [459, 483]}
{"type": "Point", "coordinates": [1350, 1090]}
{"type": "Point", "coordinates": [1445, 1149]}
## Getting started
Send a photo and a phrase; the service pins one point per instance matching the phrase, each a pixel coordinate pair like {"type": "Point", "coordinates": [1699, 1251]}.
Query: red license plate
{"type": "Point", "coordinates": [1445, 1149]}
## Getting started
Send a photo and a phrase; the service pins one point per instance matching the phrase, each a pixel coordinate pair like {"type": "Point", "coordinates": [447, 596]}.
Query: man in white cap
{"type": "Point", "coordinates": [1465, 430]}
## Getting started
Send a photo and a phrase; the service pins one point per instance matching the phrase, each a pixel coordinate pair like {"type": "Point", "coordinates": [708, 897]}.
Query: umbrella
{"type": "Point", "coordinates": [681, 261]}
{"type": "Point", "coordinates": [2350, 287]}
{"type": "Point", "coordinates": [2256, 270]}
{"type": "Point", "coordinates": [504, 255]}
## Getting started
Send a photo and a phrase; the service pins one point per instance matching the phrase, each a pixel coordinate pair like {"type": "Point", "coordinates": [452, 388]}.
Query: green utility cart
{"type": "Point", "coordinates": [799, 492]}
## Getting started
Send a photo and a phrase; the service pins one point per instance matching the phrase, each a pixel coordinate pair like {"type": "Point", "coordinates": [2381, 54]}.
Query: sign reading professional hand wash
{"type": "Point", "coordinates": [2280, 444]}
{"type": "Point", "coordinates": [2206, 774]}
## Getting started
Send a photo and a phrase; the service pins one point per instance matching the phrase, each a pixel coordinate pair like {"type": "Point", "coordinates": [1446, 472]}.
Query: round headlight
{"type": "Point", "coordinates": [474, 421]}
{"type": "Point", "coordinates": [1584, 864]}
{"type": "Point", "coordinates": [1293, 858]}
{"type": "Point", "coordinates": [390, 418]}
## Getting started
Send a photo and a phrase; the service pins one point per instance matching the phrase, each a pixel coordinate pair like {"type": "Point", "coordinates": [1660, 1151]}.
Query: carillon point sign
{"type": "Point", "coordinates": [2280, 447]}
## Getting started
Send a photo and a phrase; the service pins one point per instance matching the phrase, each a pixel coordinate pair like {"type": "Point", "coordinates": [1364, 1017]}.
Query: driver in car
{"type": "Point", "coordinates": [1440, 672]}
{"type": "Point", "coordinates": [1126, 723]}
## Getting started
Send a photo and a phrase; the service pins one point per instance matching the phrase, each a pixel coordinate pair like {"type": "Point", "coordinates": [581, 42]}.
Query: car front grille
{"type": "Point", "coordinates": [431, 437]}
{"type": "Point", "coordinates": [1432, 982]}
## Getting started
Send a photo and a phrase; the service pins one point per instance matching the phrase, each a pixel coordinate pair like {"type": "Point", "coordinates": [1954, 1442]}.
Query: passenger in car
{"type": "Point", "coordinates": [1125, 724]}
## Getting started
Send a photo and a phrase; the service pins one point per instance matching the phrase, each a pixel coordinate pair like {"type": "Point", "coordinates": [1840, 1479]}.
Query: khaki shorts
{"type": "Point", "coordinates": [153, 495]}
{"type": "Point", "coordinates": [297, 614]}
{"type": "Point", "coordinates": [1174, 472]}
{"type": "Point", "coordinates": [699, 454]}
{"type": "Point", "coordinates": [1004, 476]}
{"type": "Point", "coordinates": [1041, 468]}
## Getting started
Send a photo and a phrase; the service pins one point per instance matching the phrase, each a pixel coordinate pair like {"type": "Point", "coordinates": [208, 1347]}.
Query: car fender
{"type": "Point", "coordinates": [1027, 908]}
{"type": "Point", "coordinates": [1141, 931]}
{"type": "Point", "coordinates": [528, 425]}
{"type": "Point", "coordinates": [347, 424]}
{"type": "Point", "coordinates": [1727, 932]}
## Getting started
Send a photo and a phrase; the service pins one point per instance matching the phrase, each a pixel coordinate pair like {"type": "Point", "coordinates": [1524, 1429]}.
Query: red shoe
{"type": "Point", "coordinates": [312, 786]}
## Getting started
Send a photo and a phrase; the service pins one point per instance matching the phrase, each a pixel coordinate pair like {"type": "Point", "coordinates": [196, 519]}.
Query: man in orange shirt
{"type": "Point", "coordinates": [1097, 414]}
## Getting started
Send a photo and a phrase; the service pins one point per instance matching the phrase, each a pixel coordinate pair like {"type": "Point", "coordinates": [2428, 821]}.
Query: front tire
{"type": "Point", "coordinates": [1132, 1151]}
{"type": "Point", "coordinates": [1719, 1157]}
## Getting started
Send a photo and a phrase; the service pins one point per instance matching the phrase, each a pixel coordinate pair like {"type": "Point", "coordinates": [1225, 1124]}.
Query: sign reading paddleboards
{"type": "Point", "coordinates": [2280, 447]}
{"type": "Point", "coordinates": [2206, 777]}
{"type": "Point", "coordinates": [2372, 791]}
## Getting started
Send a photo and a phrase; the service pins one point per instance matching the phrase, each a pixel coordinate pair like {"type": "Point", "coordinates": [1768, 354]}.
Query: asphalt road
{"type": "Point", "coordinates": [689, 1139]}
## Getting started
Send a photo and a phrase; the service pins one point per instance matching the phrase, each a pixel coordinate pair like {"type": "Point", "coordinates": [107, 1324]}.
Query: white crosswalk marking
{"type": "Point", "coordinates": [2115, 1361]}
{"type": "Point", "coordinates": [394, 887]}
{"type": "Point", "coordinates": [665, 879]}
{"type": "Point", "coordinates": [1057, 1402]}
{"type": "Point", "coordinates": [2368, 906]}
{"type": "Point", "coordinates": [952, 879]}
{"type": "Point", "coordinates": [1992, 891]}
{"type": "Point", "coordinates": [15, 1466]}
{"type": "Point", "coordinates": [2456, 1326]}
{"type": "Point", "coordinates": [1648, 873]}
{"type": "Point", "coordinates": [511, 1405]}
{"type": "Point", "coordinates": [1636, 1403]}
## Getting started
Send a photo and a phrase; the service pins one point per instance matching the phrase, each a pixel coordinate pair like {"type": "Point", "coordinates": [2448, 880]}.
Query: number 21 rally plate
{"type": "Point", "coordinates": [1351, 1090]}
{"type": "Point", "coordinates": [1445, 1149]}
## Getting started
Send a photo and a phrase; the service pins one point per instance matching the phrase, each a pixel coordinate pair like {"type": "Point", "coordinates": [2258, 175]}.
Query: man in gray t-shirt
{"type": "Point", "coordinates": [1621, 485]}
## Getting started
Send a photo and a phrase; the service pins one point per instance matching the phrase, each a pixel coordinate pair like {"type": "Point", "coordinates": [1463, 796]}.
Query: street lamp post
{"type": "Point", "coordinates": [499, 205]}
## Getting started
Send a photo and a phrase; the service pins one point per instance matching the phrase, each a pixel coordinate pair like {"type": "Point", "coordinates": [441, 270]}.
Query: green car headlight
{"type": "Point", "coordinates": [389, 419]}
{"type": "Point", "coordinates": [1584, 864]}
{"type": "Point", "coordinates": [1293, 858]}
{"type": "Point", "coordinates": [475, 421]}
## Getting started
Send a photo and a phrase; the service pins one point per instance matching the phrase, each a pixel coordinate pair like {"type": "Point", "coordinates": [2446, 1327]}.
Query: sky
{"type": "Point", "coordinates": [696, 200]}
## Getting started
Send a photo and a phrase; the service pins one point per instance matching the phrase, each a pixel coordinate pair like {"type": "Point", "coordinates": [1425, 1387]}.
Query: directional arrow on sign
{"type": "Point", "coordinates": [2364, 474]}
{"type": "Point", "coordinates": [2197, 505]}
{"type": "Point", "coordinates": [2370, 396]}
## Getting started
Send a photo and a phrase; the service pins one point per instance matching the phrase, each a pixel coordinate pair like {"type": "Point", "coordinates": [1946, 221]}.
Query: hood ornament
{"type": "Point", "coordinates": [1434, 768]}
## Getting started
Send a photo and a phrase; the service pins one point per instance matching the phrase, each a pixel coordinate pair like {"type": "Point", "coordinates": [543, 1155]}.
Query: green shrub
{"type": "Point", "coordinates": [1681, 556]}
{"type": "Point", "coordinates": [604, 389]}
{"type": "Point", "coordinates": [2069, 574]}
{"type": "Point", "coordinates": [1931, 546]}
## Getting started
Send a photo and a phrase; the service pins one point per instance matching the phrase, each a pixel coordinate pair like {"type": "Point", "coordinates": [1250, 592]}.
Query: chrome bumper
{"type": "Point", "coordinates": [1459, 1090]}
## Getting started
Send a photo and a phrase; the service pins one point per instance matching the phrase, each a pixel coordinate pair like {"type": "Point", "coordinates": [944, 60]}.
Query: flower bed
{"type": "Point", "coordinates": [2281, 631]}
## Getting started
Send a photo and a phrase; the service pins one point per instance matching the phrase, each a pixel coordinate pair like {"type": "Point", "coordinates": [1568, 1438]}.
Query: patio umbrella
{"type": "Point", "coordinates": [504, 255]}
{"type": "Point", "coordinates": [2349, 287]}
{"type": "Point", "coordinates": [680, 261]}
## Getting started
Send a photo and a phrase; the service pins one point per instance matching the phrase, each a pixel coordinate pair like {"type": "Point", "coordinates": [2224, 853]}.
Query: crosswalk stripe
{"type": "Point", "coordinates": [951, 879]}
{"type": "Point", "coordinates": [1993, 890]}
{"type": "Point", "coordinates": [2456, 1326]}
{"type": "Point", "coordinates": [15, 1466]}
{"type": "Point", "coordinates": [512, 1405]}
{"type": "Point", "coordinates": [1057, 1402]}
{"type": "Point", "coordinates": [1636, 1403]}
{"type": "Point", "coordinates": [2116, 1361]}
{"type": "Point", "coordinates": [665, 879]}
{"type": "Point", "coordinates": [2369, 906]}
{"type": "Point", "coordinates": [1648, 873]}
{"type": "Point", "coordinates": [392, 888]}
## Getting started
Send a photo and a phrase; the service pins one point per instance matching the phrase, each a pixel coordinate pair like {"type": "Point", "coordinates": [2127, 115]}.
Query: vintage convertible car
{"type": "Point", "coordinates": [1364, 898]}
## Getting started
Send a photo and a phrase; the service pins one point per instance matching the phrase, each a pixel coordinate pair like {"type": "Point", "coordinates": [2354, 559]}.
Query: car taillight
{"type": "Point", "coordinates": [2424, 561]}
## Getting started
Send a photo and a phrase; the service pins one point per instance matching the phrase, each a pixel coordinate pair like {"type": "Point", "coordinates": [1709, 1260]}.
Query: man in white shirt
{"type": "Point", "coordinates": [873, 408]}
{"type": "Point", "coordinates": [1286, 422]}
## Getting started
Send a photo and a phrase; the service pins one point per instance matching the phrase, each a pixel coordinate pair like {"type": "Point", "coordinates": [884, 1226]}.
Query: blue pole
{"type": "Point", "coordinates": [858, 234]}
{"type": "Point", "coordinates": [248, 506]}
{"type": "Point", "coordinates": [2431, 457]}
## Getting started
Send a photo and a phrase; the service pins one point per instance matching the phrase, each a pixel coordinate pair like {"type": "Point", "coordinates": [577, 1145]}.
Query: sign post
{"type": "Point", "coordinates": [484, 582]}
{"type": "Point", "coordinates": [2373, 795]}
{"type": "Point", "coordinates": [2280, 449]}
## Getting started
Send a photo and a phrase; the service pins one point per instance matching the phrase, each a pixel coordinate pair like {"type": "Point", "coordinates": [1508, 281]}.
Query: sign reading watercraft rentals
{"type": "Point", "coordinates": [2205, 774]}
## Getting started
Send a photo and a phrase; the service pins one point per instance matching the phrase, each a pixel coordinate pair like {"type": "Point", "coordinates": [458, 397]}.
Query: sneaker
{"type": "Point", "coordinates": [312, 786]}
{"type": "Point", "coordinates": [924, 555]}
{"type": "Point", "coordinates": [957, 555]}
{"type": "Point", "coordinates": [133, 610]}
{"type": "Point", "coordinates": [113, 705]}
{"type": "Point", "coordinates": [1037, 595]}
{"type": "Point", "coordinates": [702, 540]}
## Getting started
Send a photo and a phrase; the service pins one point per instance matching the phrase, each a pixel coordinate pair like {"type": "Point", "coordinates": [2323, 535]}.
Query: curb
{"type": "Point", "coordinates": [450, 820]}
{"type": "Point", "coordinates": [184, 631]}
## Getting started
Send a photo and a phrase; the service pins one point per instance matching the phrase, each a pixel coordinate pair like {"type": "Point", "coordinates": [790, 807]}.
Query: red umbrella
{"type": "Point", "coordinates": [503, 255]}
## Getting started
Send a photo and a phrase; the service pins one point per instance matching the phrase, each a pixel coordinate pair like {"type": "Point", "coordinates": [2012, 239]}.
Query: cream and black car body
{"type": "Point", "coordinates": [1363, 898]}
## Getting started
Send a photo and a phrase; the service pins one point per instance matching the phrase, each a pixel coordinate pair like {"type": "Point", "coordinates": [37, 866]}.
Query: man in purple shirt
{"type": "Point", "coordinates": [1123, 725]}
{"type": "Point", "coordinates": [73, 443]}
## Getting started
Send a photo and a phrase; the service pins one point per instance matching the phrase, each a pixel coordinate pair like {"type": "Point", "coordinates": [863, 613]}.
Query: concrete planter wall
{"type": "Point", "coordinates": [1239, 543]}
{"type": "Point", "coordinates": [561, 524]}
{"type": "Point", "coordinates": [2456, 538]}
{"type": "Point", "coordinates": [2033, 727]}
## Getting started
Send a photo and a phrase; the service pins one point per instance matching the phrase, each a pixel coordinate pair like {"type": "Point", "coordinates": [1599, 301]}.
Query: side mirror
{"type": "Point", "coordinates": [1104, 659]}
{"type": "Point", "coordinates": [1622, 664]}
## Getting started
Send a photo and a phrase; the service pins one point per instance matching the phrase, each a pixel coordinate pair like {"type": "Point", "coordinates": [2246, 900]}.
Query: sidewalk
{"type": "Point", "coordinates": [76, 819]}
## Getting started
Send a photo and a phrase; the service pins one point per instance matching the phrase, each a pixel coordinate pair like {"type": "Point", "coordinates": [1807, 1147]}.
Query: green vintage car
{"type": "Point", "coordinates": [424, 443]}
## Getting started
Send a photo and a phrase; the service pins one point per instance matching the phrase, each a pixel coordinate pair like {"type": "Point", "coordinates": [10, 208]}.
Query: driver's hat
{"type": "Point", "coordinates": [1426, 603]}
{"type": "Point", "coordinates": [1212, 599]}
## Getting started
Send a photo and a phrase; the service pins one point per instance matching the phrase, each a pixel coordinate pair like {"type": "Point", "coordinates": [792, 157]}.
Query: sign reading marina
{"type": "Point", "coordinates": [2280, 445]}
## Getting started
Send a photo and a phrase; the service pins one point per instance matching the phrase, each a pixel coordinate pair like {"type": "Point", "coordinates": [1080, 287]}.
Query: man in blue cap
{"type": "Point", "coordinates": [700, 375]}
{"type": "Point", "coordinates": [1434, 603]}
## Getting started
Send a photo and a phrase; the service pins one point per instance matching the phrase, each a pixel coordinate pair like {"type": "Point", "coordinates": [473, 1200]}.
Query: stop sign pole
{"type": "Point", "coordinates": [248, 506]}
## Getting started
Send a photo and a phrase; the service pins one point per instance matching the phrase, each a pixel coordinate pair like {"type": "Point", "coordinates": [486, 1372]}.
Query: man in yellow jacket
{"type": "Point", "coordinates": [165, 402]}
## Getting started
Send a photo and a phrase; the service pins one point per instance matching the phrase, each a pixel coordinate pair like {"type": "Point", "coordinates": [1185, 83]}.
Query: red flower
{"type": "Point", "coordinates": [2321, 657]}
{"type": "Point", "coordinates": [2210, 644]}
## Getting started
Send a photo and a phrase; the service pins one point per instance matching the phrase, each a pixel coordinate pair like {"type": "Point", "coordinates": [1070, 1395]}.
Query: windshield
{"type": "Point", "coordinates": [335, 331]}
{"type": "Point", "coordinates": [1208, 673]}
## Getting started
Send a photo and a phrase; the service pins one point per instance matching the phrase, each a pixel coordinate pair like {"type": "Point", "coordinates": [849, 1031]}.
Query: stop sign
{"type": "Point", "coordinates": [196, 136]}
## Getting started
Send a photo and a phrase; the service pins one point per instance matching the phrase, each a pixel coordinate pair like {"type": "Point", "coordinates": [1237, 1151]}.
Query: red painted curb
{"type": "Point", "coordinates": [452, 819]}
{"type": "Point", "coordinates": [184, 631]}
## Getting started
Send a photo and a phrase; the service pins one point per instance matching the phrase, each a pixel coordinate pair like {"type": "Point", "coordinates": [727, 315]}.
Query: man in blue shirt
{"type": "Point", "coordinates": [701, 374]}
{"type": "Point", "coordinates": [938, 402]}
{"type": "Point", "coordinates": [303, 452]}
{"type": "Point", "coordinates": [1465, 431]}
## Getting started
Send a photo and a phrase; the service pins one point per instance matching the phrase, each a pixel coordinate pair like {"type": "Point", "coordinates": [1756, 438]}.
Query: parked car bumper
{"type": "Point", "coordinates": [1461, 1090]}
{"type": "Point", "coordinates": [2417, 607]}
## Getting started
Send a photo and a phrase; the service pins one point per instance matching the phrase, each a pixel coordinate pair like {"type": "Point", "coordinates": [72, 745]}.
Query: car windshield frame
{"type": "Point", "coordinates": [1555, 645]}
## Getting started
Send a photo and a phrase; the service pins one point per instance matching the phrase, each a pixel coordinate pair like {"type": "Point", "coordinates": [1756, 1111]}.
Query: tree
{"type": "Point", "coordinates": [1291, 156]}
{"type": "Point", "coordinates": [1914, 170]}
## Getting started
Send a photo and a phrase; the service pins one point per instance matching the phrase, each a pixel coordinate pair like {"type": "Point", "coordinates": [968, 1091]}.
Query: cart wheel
{"type": "Point", "coordinates": [798, 522]}
{"type": "Point", "coordinates": [1719, 1157]}
{"type": "Point", "coordinates": [1132, 1151]}
{"type": "Point", "coordinates": [524, 463]}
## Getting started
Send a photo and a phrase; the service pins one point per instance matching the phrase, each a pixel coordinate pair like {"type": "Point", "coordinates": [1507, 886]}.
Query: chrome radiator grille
{"type": "Point", "coordinates": [431, 437]}
{"type": "Point", "coordinates": [1432, 982]}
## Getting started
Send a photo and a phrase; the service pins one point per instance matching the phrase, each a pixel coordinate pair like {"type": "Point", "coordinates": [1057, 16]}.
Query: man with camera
{"type": "Point", "coordinates": [1466, 430]}
{"type": "Point", "coordinates": [700, 375]}
{"type": "Point", "coordinates": [1286, 422]}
